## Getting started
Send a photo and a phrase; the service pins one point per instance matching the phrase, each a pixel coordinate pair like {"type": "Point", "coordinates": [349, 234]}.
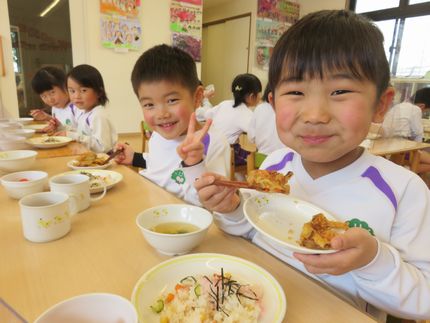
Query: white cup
{"type": "Point", "coordinates": [46, 216]}
{"type": "Point", "coordinates": [75, 185]}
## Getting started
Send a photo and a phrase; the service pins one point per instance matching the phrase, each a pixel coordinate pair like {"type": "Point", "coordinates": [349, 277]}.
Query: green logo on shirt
{"type": "Point", "coordinates": [68, 122]}
{"type": "Point", "coordinates": [356, 223]}
{"type": "Point", "coordinates": [178, 176]}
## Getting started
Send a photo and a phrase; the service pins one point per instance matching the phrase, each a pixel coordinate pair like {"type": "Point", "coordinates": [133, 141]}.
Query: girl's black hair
{"type": "Point", "coordinates": [89, 76]}
{"type": "Point", "coordinates": [243, 85]}
{"type": "Point", "coordinates": [422, 96]}
{"type": "Point", "coordinates": [330, 41]}
{"type": "Point", "coordinates": [266, 92]}
{"type": "Point", "coordinates": [46, 78]}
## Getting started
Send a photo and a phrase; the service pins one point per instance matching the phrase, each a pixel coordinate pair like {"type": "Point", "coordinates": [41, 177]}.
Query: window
{"type": "Point", "coordinates": [405, 24]}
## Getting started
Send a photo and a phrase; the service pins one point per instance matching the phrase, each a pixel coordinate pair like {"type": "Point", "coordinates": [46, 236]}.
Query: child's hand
{"type": "Point", "coordinates": [356, 246]}
{"type": "Point", "coordinates": [191, 149]}
{"type": "Point", "coordinates": [40, 115]}
{"type": "Point", "coordinates": [52, 126]}
{"type": "Point", "coordinates": [126, 156]}
{"type": "Point", "coordinates": [216, 198]}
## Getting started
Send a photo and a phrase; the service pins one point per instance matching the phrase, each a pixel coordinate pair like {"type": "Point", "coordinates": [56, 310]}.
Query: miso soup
{"type": "Point", "coordinates": [175, 228]}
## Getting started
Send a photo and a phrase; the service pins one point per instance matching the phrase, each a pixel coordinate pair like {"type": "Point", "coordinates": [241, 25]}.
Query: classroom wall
{"type": "Point", "coordinates": [115, 67]}
{"type": "Point", "coordinates": [238, 7]}
{"type": "Point", "coordinates": [8, 98]}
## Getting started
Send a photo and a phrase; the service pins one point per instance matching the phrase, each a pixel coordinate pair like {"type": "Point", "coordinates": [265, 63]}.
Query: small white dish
{"type": "Point", "coordinates": [166, 275]}
{"type": "Point", "coordinates": [37, 126]}
{"type": "Point", "coordinates": [174, 244]}
{"type": "Point", "coordinates": [23, 121]}
{"type": "Point", "coordinates": [47, 142]}
{"type": "Point", "coordinates": [98, 177]}
{"type": "Point", "coordinates": [26, 133]}
{"type": "Point", "coordinates": [13, 142]}
{"type": "Point", "coordinates": [373, 136]}
{"type": "Point", "coordinates": [280, 218]}
{"type": "Point", "coordinates": [20, 184]}
{"type": "Point", "coordinates": [17, 160]}
{"type": "Point", "coordinates": [91, 308]}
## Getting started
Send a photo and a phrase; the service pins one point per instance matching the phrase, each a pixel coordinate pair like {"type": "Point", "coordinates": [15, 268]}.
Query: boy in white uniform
{"type": "Point", "coordinates": [326, 91]}
{"type": "Point", "coordinates": [50, 83]}
{"type": "Point", "coordinates": [165, 81]}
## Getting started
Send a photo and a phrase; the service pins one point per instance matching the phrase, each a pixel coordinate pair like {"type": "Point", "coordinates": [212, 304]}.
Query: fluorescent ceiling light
{"type": "Point", "coordinates": [49, 8]}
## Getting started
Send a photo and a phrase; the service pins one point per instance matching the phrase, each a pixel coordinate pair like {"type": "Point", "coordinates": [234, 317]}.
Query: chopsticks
{"type": "Point", "coordinates": [112, 156]}
{"type": "Point", "coordinates": [235, 184]}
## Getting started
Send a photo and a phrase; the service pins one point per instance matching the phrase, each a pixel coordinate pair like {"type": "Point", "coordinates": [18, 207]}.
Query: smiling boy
{"type": "Point", "coordinates": [165, 81]}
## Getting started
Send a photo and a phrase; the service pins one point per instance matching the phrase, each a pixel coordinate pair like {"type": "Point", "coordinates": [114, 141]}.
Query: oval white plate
{"type": "Point", "coordinates": [40, 142]}
{"type": "Point", "coordinates": [36, 126]}
{"type": "Point", "coordinates": [109, 177]}
{"type": "Point", "coordinates": [71, 165]}
{"type": "Point", "coordinates": [281, 217]}
{"type": "Point", "coordinates": [166, 275]}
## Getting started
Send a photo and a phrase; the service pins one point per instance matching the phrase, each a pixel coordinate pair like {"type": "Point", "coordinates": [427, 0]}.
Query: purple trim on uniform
{"type": "Point", "coordinates": [72, 108]}
{"type": "Point", "coordinates": [206, 141]}
{"type": "Point", "coordinates": [375, 176]}
{"type": "Point", "coordinates": [88, 118]}
{"type": "Point", "coordinates": [287, 158]}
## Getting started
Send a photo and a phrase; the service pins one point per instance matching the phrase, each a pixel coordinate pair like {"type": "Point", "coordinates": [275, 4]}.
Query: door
{"type": "Point", "coordinates": [225, 54]}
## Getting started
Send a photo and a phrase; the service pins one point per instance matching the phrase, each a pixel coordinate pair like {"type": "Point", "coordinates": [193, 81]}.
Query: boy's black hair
{"type": "Point", "coordinates": [89, 76]}
{"type": "Point", "coordinates": [422, 96]}
{"type": "Point", "coordinates": [165, 63]}
{"type": "Point", "coordinates": [244, 85]}
{"type": "Point", "coordinates": [46, 78]}
{"type": "Point", "coordinates": [330, 41]}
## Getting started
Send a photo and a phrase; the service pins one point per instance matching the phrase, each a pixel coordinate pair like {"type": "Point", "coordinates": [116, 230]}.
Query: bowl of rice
{"type": "Point", "coordinates": [209, 288]}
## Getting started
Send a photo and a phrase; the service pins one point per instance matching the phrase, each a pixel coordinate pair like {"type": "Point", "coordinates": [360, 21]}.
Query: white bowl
{"type": "Point", "coordinates": [26, 133]}
{"type": "Point", "coordinates": [174, 244]}
{"type": "Point", "coordinates": [17, 160]}
{"type": "Point", "coordinates": [20, 184]}
{"type": "Point", "coordinates": [23, 120]}
{"type": "Point", "coordinates": [12, 142]}
{"type": "Point", "coordinates": [10, 125]}
{"type": "Point", "coordinates": [91, 308]}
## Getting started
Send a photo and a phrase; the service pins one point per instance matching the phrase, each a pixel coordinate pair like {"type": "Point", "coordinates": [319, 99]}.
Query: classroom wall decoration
{"type": "Point", "coordinates": [273, 19]}
{"type": "Point", "coordinates": [186, 26]}
{"type": "Point", "coordinates": [120, 28]}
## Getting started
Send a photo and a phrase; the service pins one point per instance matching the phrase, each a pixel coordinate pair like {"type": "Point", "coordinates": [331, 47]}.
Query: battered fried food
{"type": "Point", "coordinates": [89, 159]}
{"type": "Point", "coordinates": [318, 233]}
{"type": "Point", "coordinates": [269, 181]}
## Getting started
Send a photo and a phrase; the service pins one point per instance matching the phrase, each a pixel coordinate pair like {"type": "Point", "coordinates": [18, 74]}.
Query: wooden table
{"type": "Point", "coordinates": [396, 148]}
{"type": "Point", "coordinates": [106, 252]}
{"type": "Point", "coordinates": [73, 148]}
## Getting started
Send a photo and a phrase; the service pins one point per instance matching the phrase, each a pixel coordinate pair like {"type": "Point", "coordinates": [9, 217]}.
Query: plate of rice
{"type": "Point", "coordinates": [208, 287]}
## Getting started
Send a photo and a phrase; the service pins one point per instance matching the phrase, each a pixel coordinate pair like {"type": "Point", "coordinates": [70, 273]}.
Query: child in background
{"type": "Point", "coordinates": [262, 127]}
{"type": "Point", "coordinates": [206, 104]}
{"type": "Point", "coordinates": [165, 81]}
{"type": "Point", "coordinates": [326, 90]}
{"type": "Point", "coordinates": [87, 92]}
{"type": "Point", "coordinates": [232, 117]}
{"type": "Point", "coordinates": [50, 83]}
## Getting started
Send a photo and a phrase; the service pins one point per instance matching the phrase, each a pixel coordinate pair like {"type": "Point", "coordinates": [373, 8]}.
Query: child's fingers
{"type": "Point", "coordinates": [192, 125]}
{"type": "Point", "coordinates": [204, 130]}
{"type": "Point", "coordinates": [192, 147]}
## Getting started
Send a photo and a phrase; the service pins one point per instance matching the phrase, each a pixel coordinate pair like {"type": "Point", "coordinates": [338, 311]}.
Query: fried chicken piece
{"type": "Point", "coordinates": [318, 233]}
{"type": "Point", "coordinates": [88, 159]}
{"type": "Point", "coordinates": [269, 181]}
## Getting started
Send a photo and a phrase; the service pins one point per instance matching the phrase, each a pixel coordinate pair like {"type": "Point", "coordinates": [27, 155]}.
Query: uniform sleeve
{"type": "Point", "coordinates": [417, 126]}
{"type": "Point", "coordinates": [398, 279]}
{"type": "Point", "coordinates": [252, 128]}
{"type": "Point", "coordinates": [100, 139]}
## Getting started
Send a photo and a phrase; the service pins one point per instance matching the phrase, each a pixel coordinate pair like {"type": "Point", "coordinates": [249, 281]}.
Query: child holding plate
{"type": "Point", "coordinates": [329, 78]}
{"type": "Point", "coordinates": [165, 81]}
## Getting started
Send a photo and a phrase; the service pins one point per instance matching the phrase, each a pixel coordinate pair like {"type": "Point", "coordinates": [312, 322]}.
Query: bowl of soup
{"type": "Point", "coordinates": [174, 229]}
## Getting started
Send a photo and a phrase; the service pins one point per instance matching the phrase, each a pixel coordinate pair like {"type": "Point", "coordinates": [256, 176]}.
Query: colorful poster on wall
{"type": "Point", "coordinates": [269, 31]}
{"type": "Point", "coordinates": [273, 19]}
{"type": "Point", "coordinates": [120, 32]}
{"type": "Point", "coordinates": [279, 10]}
{"type": "Point", "coordinates": [186, 26]}
{"type": "Point", "coordinates": [128, 8]}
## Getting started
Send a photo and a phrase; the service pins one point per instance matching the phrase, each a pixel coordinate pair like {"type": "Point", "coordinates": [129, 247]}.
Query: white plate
{"type": "Point", "coordinates": [70, 164]}
{"type": "Point", "coordinates": [281, 217]}
{"type": "Point", "coordinates": [40, 142]}
{"type": "Point", "coordinates": [36, 126]}
{"type": "Point", "coordinates": [373, 136]}
{"type": "Point", "coordinates": [109, 177]}
{"type": "Point", "coordinates": [167, 274]}
{"type": "Point", "coordinates": [23, 120]}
